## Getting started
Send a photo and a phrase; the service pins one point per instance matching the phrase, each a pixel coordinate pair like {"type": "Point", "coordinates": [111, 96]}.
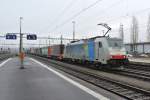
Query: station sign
{"type": "Point", "coordinates": [31, 37]}
{"type": "Point", "coordinates": [11, 36]}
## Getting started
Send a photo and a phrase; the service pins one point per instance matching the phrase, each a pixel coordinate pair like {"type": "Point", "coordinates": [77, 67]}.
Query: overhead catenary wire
{"type": "Point", "coordinates": [108, 20]}
{"type": "Point", "coordinates": [110, 7]}
{"type": "Point", "coordinates": [111, 20]}
{"type": "Point", "coordinates": [77, 14]}
{"type": "Point", "coordinates": [64, 11]}
{"type": "Point", "coordinates": [125, 16]}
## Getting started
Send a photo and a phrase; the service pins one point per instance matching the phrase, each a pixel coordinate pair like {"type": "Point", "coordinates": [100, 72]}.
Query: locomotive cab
{"type": "Point", "coordinates": [117, 52]}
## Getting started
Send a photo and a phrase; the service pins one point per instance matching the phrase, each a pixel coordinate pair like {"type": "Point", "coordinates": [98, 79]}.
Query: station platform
{"type": "Point", "coordinates": [39, 82]}
{"type": "Point", "coordinates": [140, 60]}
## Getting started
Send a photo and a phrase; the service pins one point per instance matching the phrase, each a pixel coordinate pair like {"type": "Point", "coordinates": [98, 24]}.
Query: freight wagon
{"type": "Point", "coordinates": [56, 51]}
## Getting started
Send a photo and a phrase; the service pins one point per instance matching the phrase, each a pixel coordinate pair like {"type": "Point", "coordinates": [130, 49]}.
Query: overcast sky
{"type": "Point", "coordinates": [46, 17]}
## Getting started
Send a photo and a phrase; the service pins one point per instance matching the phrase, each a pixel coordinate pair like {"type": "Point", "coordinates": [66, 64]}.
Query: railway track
{"type": "Point", "coordinates": [129, 72]}
{"type": "Point", "coordinates": [142, 75]}
{"type": "Point", "coordinates": [136, 71]}
{"type": "Point", "coordinates": [139, 71]}
{"type": "Point", "coordinates": [138, 66]}
{"type": "Point", "coordinates": [5, 56]}
{"type": "Point", "coordinates": [126, 71]}
{"type": "Point", "coordinates": [124, 90]}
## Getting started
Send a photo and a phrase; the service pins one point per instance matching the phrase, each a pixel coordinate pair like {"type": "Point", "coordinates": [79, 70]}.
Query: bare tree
{"type": "Point", "coordinates": [134, 33]}
{"type": "Point", "coordinates": [121, 32]}
{"type": "Point", "coordinates": [148, 29]}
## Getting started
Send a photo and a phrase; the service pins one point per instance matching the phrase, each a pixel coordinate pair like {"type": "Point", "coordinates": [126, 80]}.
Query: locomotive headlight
{"type": "Point", "coordinates": [111, 56]}
{"type": "Point", "coordinates": [125, 56]}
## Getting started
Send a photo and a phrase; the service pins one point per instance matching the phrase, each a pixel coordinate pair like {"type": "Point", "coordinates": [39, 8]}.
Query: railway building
{"type": "Point", "coordinates": [140, 48]}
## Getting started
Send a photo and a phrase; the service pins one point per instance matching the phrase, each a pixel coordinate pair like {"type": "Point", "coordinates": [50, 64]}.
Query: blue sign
{"type": "Point", "coordinates": [11, 36]}
{"type": "Point", "coordinates": [31, 37]}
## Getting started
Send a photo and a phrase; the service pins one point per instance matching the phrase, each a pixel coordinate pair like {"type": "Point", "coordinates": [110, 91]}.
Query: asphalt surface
{"type": "Point", "coordinates": [36, 83]}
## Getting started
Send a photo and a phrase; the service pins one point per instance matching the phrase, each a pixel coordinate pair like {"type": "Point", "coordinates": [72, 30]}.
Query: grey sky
{"type": "Point", "coordinates": [42, 16]}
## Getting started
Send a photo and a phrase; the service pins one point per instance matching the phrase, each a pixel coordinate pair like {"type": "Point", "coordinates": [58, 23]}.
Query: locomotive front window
{"type": "Point", "coordinates": [115, 43]}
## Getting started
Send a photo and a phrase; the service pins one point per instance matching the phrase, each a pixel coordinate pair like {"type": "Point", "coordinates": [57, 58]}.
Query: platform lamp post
{"type": "Point", "coordinates": [21, 46]}
{"type": "Point", "coordinates": [73, 22]}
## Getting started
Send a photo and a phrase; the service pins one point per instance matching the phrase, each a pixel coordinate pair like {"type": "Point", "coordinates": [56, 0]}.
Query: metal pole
{"type": "Point", "coordinates": [143, 48]}
{"type": "Point", "coordinates": [46, 42]}
{"type": "Point", "coordinates": [20, 36]}
{"type": "Point", "coordinates": [73, 30]}
{"type": "Point", "coordinates": [61, 41]}
{"type": "Point", "coordinates": [39, 43]}
{"type": "Point", "coordinates": [49, 40]}
{"type": "Point", "coordinates": [21, 46]}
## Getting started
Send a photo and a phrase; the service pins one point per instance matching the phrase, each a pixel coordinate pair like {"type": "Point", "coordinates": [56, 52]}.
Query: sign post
{"type": "Point", "coordinates": [13, 36]}
{"type": "Point", "coordinates": [21, 47]}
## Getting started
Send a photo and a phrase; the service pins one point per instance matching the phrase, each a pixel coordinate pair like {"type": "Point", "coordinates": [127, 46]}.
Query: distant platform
{"type": "Point", "coordinates": [140, 60]}
{"type": "Point", "coordinates": [37, 82]}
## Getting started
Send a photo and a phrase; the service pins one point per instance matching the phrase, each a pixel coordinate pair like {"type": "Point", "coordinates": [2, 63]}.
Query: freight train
{"type": "Point", "coordinates": [100, 50]}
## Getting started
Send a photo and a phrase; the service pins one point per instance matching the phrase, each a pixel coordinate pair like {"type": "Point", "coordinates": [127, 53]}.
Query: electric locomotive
{"type": "Point", "coordinates": [97, 50]}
